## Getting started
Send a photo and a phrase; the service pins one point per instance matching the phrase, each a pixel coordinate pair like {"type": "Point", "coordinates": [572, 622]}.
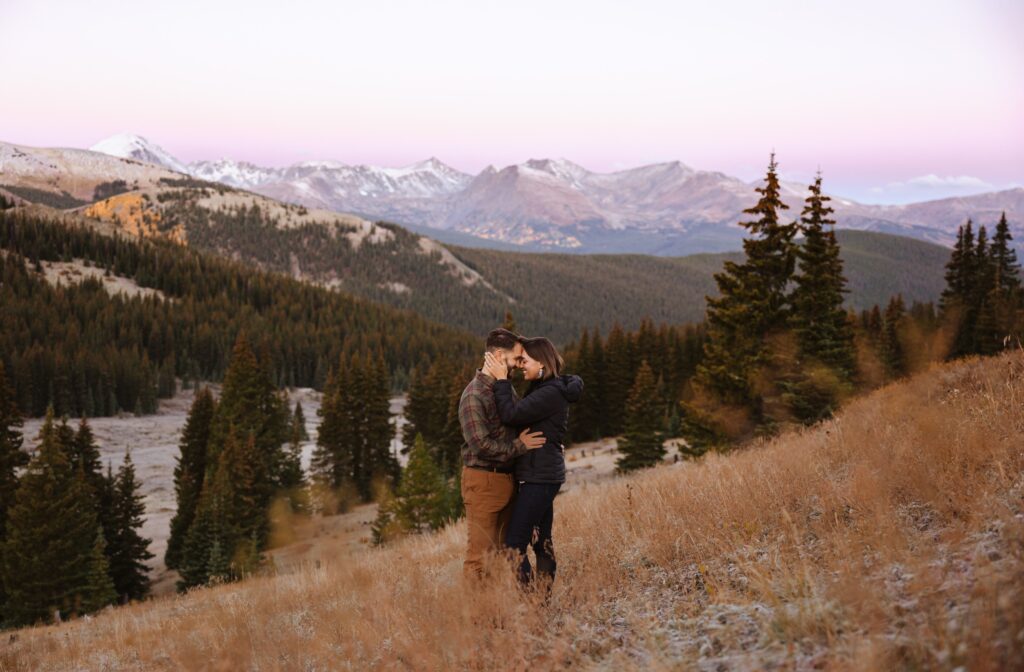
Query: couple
{"type": "Point", "coordinates": [513, 459]}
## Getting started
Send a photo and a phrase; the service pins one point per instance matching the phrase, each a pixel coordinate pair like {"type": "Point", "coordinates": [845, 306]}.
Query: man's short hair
{"type": "Point", "coordinates": [502, 338]}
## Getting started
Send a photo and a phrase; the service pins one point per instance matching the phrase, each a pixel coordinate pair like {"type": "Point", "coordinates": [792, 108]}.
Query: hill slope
{"type": "Point", "coordinates": [472, 288]}
{"type": "Point", "coordinates": [888, 538]}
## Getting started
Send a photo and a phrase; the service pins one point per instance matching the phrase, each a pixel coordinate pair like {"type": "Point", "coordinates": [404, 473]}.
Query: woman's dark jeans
{"type": "Point", "coordinates": [533, 510]}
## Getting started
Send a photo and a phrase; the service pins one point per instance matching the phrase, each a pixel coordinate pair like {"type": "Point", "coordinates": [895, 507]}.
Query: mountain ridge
{"type": "Point", "coordinates": [544, 204]}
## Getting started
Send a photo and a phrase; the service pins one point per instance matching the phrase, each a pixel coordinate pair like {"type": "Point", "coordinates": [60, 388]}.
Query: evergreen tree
{"type": "Point", "coordinates": [1004, 258]}
{"type": "Point", "coordinates": [129, 551]}
{"type": "Point", "coordinates": [298, 426]}
{"type": "Point", "coordinates": [891, 347]}
{"type": "Point", "coordinates": [823, 331]}
{"type": "Point", "coordinates": [205, 556]}
{"type": "Point", "coordinates": [824, 367]}
{"type": "Point", "coordinates": [374, 407]}
{"type": "Point", "coordinates": [249, 403]}
{"type": "Point", "coordinates": [750, 311]}
{"type": "Point", "coordinates": [618, 379]}
{"type": "Point", "coordinates": [12, 457]}
{"type": "Point", "coordinates": [48, 556]}
{"type": "Point", "coordinates": [421, 502]}
{"type": "Point", "coordinates": [84, 454]}
{"type": "Point", "coordinates": [250, 407]}
{"type": "Point", "coordinates": [641, 445]}
{"type": "Point", "coordinates": [354, 439]}
{"type": "Point", "coordinates": [224, 541]}
{"type": "Point", "coordinates": [100, 590]}
{"type": "Point", "coordinates": [293, 479]}
{"type": "Point", "coordinates": [959, 298]}
{"type": "Point", "coordinates": [190, 471]}
{"type": "Point", "coordinates": [331, 458]}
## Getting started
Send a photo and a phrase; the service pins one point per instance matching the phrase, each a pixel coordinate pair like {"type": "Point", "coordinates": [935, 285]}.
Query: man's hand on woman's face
{"type": "Point", "coordinates": [494, 367]}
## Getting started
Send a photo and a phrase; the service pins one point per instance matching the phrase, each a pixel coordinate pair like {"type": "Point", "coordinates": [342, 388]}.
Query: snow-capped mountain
{"type": "Point", "coordinates": [129, 146]}
{"type": "Point", "coordinates": [555, 204]}
{"type": "Point", "coordinates": [75, 172]}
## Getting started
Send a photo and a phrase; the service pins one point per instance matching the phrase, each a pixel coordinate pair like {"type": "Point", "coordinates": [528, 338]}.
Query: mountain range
{"type": "Point", "coordinates": [666, 209]}
{"type": "Point", "coordinates": [463, 286]}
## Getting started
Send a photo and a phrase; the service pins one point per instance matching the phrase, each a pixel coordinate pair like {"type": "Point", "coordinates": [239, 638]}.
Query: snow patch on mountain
{"type": "Point", "coordinates": [130, 146]}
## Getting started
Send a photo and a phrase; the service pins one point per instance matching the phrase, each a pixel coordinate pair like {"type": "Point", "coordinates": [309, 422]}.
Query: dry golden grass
{"type": "Point", "coordinates": [889, 538]}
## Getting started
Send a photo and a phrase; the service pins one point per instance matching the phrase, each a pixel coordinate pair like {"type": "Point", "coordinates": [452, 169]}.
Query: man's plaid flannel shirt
{"type": "Point", "coordinates": [488, 442]}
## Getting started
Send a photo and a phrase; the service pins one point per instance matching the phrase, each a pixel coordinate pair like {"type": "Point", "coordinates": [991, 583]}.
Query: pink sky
{"type": "Point", "coordinates": [893, 100]}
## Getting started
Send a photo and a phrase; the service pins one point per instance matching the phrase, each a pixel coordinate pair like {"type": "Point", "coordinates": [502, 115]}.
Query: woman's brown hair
{"type": "Point", "coordinates": [544, 351]}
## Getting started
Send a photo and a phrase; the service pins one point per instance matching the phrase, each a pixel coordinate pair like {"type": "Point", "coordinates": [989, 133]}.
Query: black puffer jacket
{"type": "Point", "coordinates": [544, 408]}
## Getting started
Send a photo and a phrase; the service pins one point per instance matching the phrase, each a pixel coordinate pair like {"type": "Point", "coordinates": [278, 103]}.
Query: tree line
{"type": "Point", "coordinates": [88, 353]}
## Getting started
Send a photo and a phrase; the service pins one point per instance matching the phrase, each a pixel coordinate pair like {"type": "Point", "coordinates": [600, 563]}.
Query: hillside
{"type": "Point", "coordinates": [130, 315]}
{"type": "Point", "coordinates": [472, 288]}
{"type": "Point", "coordinates": [889, 537]}
{"type": "Point", "coordinates": [567, 293]}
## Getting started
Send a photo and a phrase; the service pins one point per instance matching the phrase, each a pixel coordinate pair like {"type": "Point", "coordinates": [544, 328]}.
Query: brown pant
{"type": "Point", "coordinates": [488, 497]}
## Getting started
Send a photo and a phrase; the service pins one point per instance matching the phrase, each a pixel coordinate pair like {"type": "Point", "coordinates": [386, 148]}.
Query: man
{"type": "Point", "coordinates": [488, 485]}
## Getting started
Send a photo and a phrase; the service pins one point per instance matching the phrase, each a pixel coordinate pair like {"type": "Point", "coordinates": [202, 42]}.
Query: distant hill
{"type": "Point", "coordinates": [471, 289]}
{"type": "Point", "coordinates": [563, 293]}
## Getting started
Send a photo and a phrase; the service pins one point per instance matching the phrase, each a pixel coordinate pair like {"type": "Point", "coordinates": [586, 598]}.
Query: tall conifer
{"type": "Point", "coordinates": [190, 471]}
{"type": "Point", "coordinates": [12, 456]}
{"type": "Point", "coordinates": [642, 443]}
{"type": "Point", "coordinates": [130, 550]}
{"type": "Point", "coordinates": [750, 311]}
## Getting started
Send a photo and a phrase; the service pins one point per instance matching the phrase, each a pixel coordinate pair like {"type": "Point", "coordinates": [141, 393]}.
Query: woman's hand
{"type": "Point", "coordinates": [494, 368]}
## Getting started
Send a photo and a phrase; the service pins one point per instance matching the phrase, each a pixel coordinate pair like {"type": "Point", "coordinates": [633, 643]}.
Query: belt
{"type": "Point", "coordinates": [497, 470]}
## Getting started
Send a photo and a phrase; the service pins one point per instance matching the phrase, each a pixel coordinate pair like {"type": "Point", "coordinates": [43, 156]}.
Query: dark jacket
{"type": "Point", "coordinates": [544, 408]}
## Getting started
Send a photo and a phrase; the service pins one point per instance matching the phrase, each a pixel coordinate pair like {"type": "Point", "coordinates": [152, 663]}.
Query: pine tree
{"type": "Point", "coordinates": [641, 445]}
{"type": "Point", "coordinates": [249, 402]}
{"type": "Point", "coordinates": [100, 590]}
{"type": "Point", "coordinates": [206, 553]}
{"type": "Point", "coordinates": [891, 346]}
{"type": "Point", "coordinates": [421, 501]}
{"type": "Point", "coordinates": [331, 463]}
{"type": "Point", "coordinates": [190, 471]}
{"type": "Point", "coordinates": [48, 556]}
{"type": "Point", "coordinates": [999, 296]}
{"type": "Point", "coordinates": [826, 357]}
{"type": "Point", "coordinates": [129, 551]}
{"type": "Point", "coordinates": [225, 538]}
{"type": "Point", "coordinates": [818, 318]}
{"type": "Point", "coordinates": [584, 423]}
{"type": "Point", "coordinates": [618, 379]}
{"type": "Point", "coordinates": [293, 479]}
{"type": "Point", "coordinates": [1004, 258]}
{"type": "Point", "coordinates": [374, 406]}
{"type": "Point", "coordinates": [12, 457]}
{"type": "Point", "coordinates": [750, 311]}
{"type": "Point", "coordinates": [298, 426]}
{"type": "Point", "coordinates": [85, 454]}
{"type": "Point", "coordinates": [959, 298]}
{"type": "Point", "coordinates": [250, 406]}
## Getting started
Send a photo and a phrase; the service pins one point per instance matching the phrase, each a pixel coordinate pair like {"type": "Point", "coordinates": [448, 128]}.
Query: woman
{"type": "Point", "coordinates": [539, 473]}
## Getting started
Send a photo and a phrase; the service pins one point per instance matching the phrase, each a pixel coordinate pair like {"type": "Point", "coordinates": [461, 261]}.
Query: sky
{"type": "Point", "coordinates": [894, 100]}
